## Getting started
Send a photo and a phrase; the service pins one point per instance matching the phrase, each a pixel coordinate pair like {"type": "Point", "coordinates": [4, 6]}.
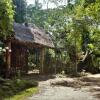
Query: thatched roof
{"type": "Point", "coordinates": [32, 34]}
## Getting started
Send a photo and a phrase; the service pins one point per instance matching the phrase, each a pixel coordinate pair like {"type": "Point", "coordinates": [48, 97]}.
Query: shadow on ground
{"type": "Point", "coordinates": [90, 82]}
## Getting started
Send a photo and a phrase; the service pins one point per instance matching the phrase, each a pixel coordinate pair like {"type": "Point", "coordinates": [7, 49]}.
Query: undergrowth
{"type": "Point", "coordinates": [10, 87]}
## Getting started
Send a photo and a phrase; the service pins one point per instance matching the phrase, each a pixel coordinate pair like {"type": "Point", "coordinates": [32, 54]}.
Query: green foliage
{"type": "Point", "coordinates": [35, 14]}
{"type": "Point", "coordinates": [90, 46]}
{"type": "Point", "coordinates": [75, 28]}
{"type": "Point", "coordinates": [6, 18]}
{"type": "Point", "coordinates": [12, 87]}
{"type": "Point", "coordinates": [88, 12]}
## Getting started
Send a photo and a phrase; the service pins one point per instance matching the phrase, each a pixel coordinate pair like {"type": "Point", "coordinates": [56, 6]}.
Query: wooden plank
{"type": "Point", "coordinates": [42, 61]}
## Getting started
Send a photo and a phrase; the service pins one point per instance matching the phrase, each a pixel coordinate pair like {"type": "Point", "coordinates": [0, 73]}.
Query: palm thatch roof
{"type": "Point", "coordinates": [32, 34]}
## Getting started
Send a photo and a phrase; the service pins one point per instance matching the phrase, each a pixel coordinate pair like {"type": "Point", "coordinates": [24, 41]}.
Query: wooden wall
{"type": "Point", "coordinates": [19, 58]}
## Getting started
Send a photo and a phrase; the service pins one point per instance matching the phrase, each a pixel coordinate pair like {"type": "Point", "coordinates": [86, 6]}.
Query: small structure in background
{"type": "Point", "coordinates": [27, 37]}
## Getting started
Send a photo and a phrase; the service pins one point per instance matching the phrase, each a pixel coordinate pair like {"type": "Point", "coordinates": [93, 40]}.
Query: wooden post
{"type": "Point", "coordinates": [42, 61]}
{"type": "Point", "coordinates": [55, 62]}
{"type": "Point", "coordinates": [8, 57]}
{"type": "Point", "coordinates": [26, 60]}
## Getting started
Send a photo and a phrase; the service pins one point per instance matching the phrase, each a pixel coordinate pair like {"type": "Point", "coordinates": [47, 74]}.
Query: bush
{"type": "Point", "coordinates": [11, 87]}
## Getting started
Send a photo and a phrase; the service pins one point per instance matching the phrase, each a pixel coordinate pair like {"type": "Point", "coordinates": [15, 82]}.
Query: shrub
{"type": "Point", "coordinates": [12, 87]}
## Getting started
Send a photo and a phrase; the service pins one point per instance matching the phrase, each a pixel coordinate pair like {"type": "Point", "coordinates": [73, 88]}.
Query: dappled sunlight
{"type": "Point", "coordinates": [52, 44]}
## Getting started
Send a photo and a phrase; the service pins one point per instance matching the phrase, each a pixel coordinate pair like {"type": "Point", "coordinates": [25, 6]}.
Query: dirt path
{"type": "Point", "coordinates": [58, 92]}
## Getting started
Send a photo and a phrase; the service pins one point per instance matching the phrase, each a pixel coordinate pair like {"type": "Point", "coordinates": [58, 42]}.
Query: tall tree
{"type": "Point", "coordinates": [6, 28]}
{"type": "Point", "coordinates": [20, 10]}
{"type": "Point", "coordinates": [6, 18]}
{"type": "Point", "coordinates": [75, 26]}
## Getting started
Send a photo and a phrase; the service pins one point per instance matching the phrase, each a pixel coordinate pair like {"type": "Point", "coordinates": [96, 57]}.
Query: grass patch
{"type": "Point", "coordinates": [10, 88]}
{"type": "Point", "coordinates": [24, 94]}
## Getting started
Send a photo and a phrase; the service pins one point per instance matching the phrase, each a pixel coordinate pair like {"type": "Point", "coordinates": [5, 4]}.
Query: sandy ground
{"type": "Point", "coordinates": [85, 88]}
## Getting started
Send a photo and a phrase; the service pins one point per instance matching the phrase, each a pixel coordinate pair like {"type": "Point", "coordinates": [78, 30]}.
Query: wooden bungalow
{"type": "Point", "coordinates": [27, 36]}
